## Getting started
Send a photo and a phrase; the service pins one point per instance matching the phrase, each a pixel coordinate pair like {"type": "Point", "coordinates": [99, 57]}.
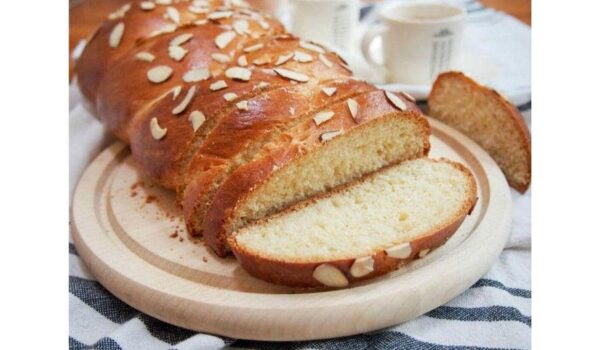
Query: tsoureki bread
{"type": "Point", "coordinates": [240, 118]}
{"type": "Point", "coordinates": [489, 119]}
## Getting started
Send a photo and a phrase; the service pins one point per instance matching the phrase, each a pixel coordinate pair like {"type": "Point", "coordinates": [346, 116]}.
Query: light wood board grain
{"type": "Point", "coordinates": [132, 238]}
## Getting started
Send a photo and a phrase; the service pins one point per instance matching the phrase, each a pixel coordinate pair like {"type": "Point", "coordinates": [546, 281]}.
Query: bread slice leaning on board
{"type": "Point", "coordinates": [362, 230]}
{"type": "Point", "coordinates": [240, 118]}
{"type": "Point", "coordinates": [489, 119]}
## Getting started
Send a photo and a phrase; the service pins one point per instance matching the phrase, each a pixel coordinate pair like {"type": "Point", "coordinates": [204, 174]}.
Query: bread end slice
{"type": "Point", "coordinates": [362, 230]}
{"type": "Point", "coordinates": [489, 119]}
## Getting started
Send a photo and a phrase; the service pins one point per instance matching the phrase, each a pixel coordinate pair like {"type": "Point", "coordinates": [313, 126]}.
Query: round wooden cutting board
{"type": "Point", "coordinates": [131, 236]}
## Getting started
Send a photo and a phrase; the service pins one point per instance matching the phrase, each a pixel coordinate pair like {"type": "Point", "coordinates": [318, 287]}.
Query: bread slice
{"type": "Point", "coordinates": [487, 118]}
{"type": "Point", "coordinates": [303, 162]}
{"type": "Point", "coordinates": [362, 230]}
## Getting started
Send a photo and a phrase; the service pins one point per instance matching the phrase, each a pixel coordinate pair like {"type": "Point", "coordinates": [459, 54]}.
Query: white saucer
{"type": "Point", "coordinates": [479, 68]}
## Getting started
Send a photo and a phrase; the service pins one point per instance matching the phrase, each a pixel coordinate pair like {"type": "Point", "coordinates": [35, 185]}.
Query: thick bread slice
{"type": "Point", "coordinates": [489, 119]}
{"type": "Point", "coordinates": [305, 163]}
{"type": "Point", "coordinates": [141, 26]}
{"type": "Point", "coordinates": [256, 130]}
{"type": "Point", "coordinates": [362, 230]}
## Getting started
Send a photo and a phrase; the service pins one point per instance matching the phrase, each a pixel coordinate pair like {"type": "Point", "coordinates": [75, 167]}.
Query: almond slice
{"type": "Point", "coordinates": [322, 117]}
{"type": "Point", "coordinates": [198, 10]}
{"type": "Point", "coordinates": [144, 56]}
{"type": "Point", "coordinates": [284, 58]}
{"type": "Point", "coordinates": [311, 47]}
{"type": "Point", "coordinates": [173, 14]}
{"type": "Point", "coordinates": [221, 57]}
{"type": "Point", "coordinates": [147, 5]}
{"type": "Point", "coordinates": [326, 136]}
{"type": "Point", "coordinates": [195, 75]}
{"type": "Point", "coordinates": [362, 266]}
{"type": "Point", "coordinates": [261, 85]}
{"type": "Point", "coordinates": [302, 57]}
{"type": "Point", "coordinates": [408, 96]}
{"type": "Point", "coordinates": [242, 61]}
{"type": "Point", "coordinates": [353, 107]}
{"type": "Point", "coordinates": [230, 96]}
{"type": "Point", "coordinates": [176, 91]}
{"type": "Point", "coordinates": [181, 39]}
{"type": "Point", "coordinates": [168, 28]}
{"type": "Point", "coordinates": [240, 3]}
{"type": "Point", "coordinates": [264, 24]}
{"type": "Point", "coordinates": [197, 118]}
{"type": "Point", "coordinates": [159, 74]}
{"type": "Point", "coordinates": [238, 73]}
{"type": "Point", "coordinates": [120, 12]}
{"type": "Point", "coordinates": [163, 2]}
{"type": "Point", "coordinates": [330, 276]}
{"type": "Point", "coordinates": [242, 105]}
{"type": "Point", "coordinates": [185, 102]}
{"type": "Point", "coordinates": [220, 15]}
{"type": "Point", "coordinates": [329, 91]}
{"type": "Point", "coordinates": [241, 26]}
{"type": "Point", "coordinates": [200, 22]}
{"type": "Point", "coordinates": [401, 251]}
{"type": "Point", "coordinates": [223, 39]}
{"type": "Point", "coordinates": [177, 52]}
{"type": "Point", "coordinates": [292, 110]}
{"type": "Point", "coordinates": [264, 59]}
{"type": "Point", "coordinates": [155, 129]}
{"type": "Point", "coordinates": [395, 100]}
{"type": "Point", "coordinates": [286, 73]}
{"type": "Point", "coordinates": [218, 85]}
{"type": "Point", "coordinates": [424, 252]}
{"type": "Point", "coordinates": [325, 61]}
{"type": "Point", "coordinates": [116, 35]}
{"type": "Point", "coordinates": [253, 48]}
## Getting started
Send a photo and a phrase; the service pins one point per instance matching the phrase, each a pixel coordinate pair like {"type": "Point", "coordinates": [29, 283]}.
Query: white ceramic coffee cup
{"type": "Point", "coordinates": [331, 22]}
{"type": "Point", "coordinates": [419, 41]}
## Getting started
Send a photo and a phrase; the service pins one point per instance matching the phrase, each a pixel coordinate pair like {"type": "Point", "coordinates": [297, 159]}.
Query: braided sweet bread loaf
{"type": "Point", "coordinates": [239, 117]}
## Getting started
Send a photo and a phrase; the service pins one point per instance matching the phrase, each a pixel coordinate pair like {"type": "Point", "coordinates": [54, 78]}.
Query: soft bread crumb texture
{"type": "Point", "coordinates": [396, 205]}
{"type": "Point", "coordinates": [484, 116]}
{"type": "Point", "coordinates": [386, 141]}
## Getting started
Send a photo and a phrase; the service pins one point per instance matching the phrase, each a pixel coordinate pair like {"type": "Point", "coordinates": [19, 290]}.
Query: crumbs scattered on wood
{"type": "Point", "coordinates": [174, 234]}
{"type": "Point", "coordinates": [204, 259]}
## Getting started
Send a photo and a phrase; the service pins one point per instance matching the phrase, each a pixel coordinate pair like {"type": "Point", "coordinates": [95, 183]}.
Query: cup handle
{"type": "Point", "coordinates": [372, 33]}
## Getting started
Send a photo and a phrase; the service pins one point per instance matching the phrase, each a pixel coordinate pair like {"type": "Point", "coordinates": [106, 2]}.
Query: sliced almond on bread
{"type": "Point", "coordinates": [324, 241]}
{"type": "Point", "coordinates": [489, 119]}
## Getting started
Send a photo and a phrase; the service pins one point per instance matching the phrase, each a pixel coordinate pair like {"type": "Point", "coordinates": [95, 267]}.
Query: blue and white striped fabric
{"type": "Point", "coordinates": [495, 313]}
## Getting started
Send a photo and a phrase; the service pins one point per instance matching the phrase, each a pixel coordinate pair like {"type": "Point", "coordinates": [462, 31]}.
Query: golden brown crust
{"type": "Point", "coordinates": [300, 274]}
{"type": "Point", "coordinates": [515, 117]}
{"type": "Point", "coordinates": [374, 106]}
{"type": "Point", "coordinates": [97, 58]}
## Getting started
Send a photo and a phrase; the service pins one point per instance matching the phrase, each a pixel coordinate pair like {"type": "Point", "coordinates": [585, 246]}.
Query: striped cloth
{"type": "Point", "coordinates": [494, 313]}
